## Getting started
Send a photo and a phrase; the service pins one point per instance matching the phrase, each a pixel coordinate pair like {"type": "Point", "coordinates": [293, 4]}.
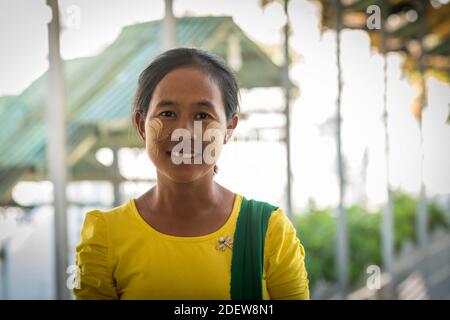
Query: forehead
{"type": "Point", "coordinates": [188, 83]}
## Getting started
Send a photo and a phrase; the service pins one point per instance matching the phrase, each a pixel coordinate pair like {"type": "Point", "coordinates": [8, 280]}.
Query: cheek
{"type": "Point", "coordinates": [219, 128]}
{"type": "Point", "coordinates": [153, 132]}
{"type": "Point", "coordinates": [215, 134]}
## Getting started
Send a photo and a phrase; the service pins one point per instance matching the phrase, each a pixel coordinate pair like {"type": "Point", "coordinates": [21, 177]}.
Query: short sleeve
{"type": "Point", "coordinates": [92, 258]}
{"type": "Point", "coordinates": [284, 260]}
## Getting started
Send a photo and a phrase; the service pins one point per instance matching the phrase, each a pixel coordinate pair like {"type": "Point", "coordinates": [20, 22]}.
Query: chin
{"type": "Point", "coordinates": [185, 173]}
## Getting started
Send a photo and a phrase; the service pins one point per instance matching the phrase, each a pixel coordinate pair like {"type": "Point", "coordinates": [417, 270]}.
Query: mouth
{"type": "Point", "coordinates": [182, 155]}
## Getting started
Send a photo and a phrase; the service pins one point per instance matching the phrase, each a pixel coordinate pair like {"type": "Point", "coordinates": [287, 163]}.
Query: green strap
{"type": "Point", "coordinates": [248, 250]}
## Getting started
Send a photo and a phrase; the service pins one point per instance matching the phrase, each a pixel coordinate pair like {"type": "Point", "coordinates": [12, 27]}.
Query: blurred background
{"type": "Point", "coordinates": [344, 123]}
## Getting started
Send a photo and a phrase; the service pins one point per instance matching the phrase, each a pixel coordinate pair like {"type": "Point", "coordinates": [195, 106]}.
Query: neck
{"type": "Point", "coordinates": [190, 199]}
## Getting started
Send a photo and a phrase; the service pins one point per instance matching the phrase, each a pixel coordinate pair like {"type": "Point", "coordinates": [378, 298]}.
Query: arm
{"type": "Point", "coordinates": [93, 260]}
{"type": "Point", "coordinates": [284, 260]}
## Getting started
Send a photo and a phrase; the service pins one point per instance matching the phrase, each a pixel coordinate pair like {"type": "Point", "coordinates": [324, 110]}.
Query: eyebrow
{"type": "Point", "coordinates": [201, 103]}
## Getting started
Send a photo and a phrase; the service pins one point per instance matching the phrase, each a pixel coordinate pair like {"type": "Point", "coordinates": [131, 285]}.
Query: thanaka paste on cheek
{"type": "Point", "coordinates": [216, 125]}
{"type": "Point", "coordinates": [155, 129]}
{"type": "Point", "coordinates": [218, 131]}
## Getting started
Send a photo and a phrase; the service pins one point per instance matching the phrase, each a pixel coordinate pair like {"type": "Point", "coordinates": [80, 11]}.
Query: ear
{"type": "Point", "coordinates": [232, 124]}
{"type": "Point", "coordinates": [139, 120]}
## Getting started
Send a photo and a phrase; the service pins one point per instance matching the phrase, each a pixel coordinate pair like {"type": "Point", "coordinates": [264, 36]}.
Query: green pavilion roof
{"type": "Point", "coordinates": [99, 93]}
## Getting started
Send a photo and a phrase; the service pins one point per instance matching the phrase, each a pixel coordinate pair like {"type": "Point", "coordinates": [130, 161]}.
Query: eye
{"type": "Point", "coordinates": [202, 116]}
{"type": "Point", "coordinates": [167, 114]}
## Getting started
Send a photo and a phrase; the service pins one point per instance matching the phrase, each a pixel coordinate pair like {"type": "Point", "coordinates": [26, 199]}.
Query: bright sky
{"type": "Point", "coordinates": [23, 35]}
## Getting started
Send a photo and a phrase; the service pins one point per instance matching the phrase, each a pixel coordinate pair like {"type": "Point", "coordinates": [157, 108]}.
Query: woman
{"type": "Point", "coordinates": [182, 239]}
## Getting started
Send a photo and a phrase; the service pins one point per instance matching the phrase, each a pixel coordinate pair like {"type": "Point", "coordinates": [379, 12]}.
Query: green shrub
{"type": "Point", "coordinates": [317, 228]}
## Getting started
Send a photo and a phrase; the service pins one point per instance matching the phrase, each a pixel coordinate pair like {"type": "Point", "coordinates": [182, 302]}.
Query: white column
{"type": "Point", "coordinates": [341, 223]}
{"type": "Point", "coordinates": [56, 149]}
{"type": "Point", "coordinates": [168, 34]}
{"type": "Point", "coordinates": [287, 113]}
{"type": "Point", "coordinates": [387, 235]}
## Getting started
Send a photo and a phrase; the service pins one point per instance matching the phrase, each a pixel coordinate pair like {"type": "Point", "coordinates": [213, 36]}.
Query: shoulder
{"type": "Point", "coordinates": [260, 204]}
{"type": "Point", "coordinates": [99, 222]}
{"type": "Point", "coordinates": [279, 219]}
{"type": "Point", "coordinates": [113, 214]}
{"type": "Point", "coordinates": [280, 224]}
{"type": "Point", "coordinates": [275, 213]}
{"type": "Point", "coordinates": [281, 233]}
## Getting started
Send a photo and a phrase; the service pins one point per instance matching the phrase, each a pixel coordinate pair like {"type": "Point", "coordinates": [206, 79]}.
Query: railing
{"type": "Point", "coordinates": [421, 274]}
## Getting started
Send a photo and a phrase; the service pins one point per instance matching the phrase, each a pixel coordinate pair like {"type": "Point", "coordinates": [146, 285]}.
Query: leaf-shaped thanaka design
{"type": "Point", "coordinates": [214, 132]}
{"type": "Point", "coordinates": [155, 127]}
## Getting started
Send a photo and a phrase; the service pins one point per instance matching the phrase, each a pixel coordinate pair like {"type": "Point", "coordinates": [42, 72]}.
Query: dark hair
{"type": "Point", "coordinates": [173, 59]}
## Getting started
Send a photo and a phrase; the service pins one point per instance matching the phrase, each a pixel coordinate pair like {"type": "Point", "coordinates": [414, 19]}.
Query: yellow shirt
{"type": "Point", "coordinates": [121, 256]}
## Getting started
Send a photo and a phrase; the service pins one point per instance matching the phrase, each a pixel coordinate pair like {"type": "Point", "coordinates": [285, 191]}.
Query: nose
{"type": "Point", "coordinates": [193, 127]}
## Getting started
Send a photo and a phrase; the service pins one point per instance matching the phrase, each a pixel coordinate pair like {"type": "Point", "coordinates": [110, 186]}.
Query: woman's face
{"type": "Point", "coordinates": [185, 126]}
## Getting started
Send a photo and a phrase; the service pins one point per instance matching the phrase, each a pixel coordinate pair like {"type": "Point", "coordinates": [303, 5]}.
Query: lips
{"type": "Point", "coordinates": [183, 155]}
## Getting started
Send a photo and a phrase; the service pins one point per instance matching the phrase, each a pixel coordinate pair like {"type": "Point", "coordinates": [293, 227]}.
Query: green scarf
{"type": "Point", "coordinates": [248, 250]}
